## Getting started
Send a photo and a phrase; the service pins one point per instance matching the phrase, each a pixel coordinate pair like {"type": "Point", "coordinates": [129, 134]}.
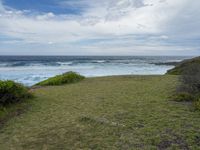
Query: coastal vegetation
{"type": "Point", "coordinates": [116, 112]}
{"type": "Point", "coordinates": [66, 78]}
{"type": "Point", "coordinates": [13, 98]}
{"type": "Point", "coordinates": [189, 78]}
{"type": "Point", "coordinates": [13, 95]}
{"type": "Point", "coordinates": [12, 92]}
{"type": "Point", "coordinates": [183, 66]}
{"type": "Point", "coordinates": [119, 112]}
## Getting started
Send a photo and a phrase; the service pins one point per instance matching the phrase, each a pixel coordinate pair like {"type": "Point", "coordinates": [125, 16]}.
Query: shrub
{"type": "Point", "coordinates": [190, 79]}
{"type": "Point", "coordinates": [189, 89]}
{"type": "Point", "coordinates": [183, 97]}
{"type": "Point", "coordinates": [181, 67]}
{"type": "Point", "coordinates": [12, 92]}
{"type": "Point", "coordinates": [197, 104]}
{"type": "Point", "coordinates": [66, 78]}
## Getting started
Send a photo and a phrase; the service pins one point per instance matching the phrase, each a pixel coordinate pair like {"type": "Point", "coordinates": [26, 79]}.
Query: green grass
{"type": "Point", "coordinates": [66, 78]}
{"type": "Point", "coordinates": [127, 112]}
{"type": "Point", "coordinates": [12, 110]}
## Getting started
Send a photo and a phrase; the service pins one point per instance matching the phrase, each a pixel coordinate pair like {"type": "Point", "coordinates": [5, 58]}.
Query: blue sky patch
{"type": "Point", "coordinates": [45, 6]}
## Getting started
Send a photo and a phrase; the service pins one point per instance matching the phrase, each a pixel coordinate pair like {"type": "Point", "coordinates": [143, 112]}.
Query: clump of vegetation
{"type": "Point", "coordinates": [190, 79]}
{"type": "Point", "coordinates": [189, 89]}
{"type": "Point", "coordinates": [197, 104]}
{"type": "Point", "coordinates": [66, 78]}
{"type": "Point", "coordinates": [12, 92]}
{"type": "Point", "coordinates": [186, 97]}
{"type": "Point", "coordinates": [183, 66]}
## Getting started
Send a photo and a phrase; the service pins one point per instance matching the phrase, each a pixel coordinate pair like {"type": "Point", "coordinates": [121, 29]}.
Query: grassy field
{"type": "Point", "coordinates": [127, 112]}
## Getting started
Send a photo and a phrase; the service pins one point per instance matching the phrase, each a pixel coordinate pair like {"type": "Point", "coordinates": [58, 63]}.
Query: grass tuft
{"type": "Point", "coordinates": [66, 78]}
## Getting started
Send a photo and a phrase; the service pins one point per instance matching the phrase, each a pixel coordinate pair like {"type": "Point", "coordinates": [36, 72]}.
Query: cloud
{"type": "Point", "coordinates": [186, 21]}
{"type": "Point", "coordinates": [132, 26]}
{"type": "Point", "coordinates": [1, 7]}
{"type": "Point", "coordinates": [111, 23]}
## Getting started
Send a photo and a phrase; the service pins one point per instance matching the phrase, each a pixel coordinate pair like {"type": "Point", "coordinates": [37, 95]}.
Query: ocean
{"type": "Point", "coordinates": [29, 70]}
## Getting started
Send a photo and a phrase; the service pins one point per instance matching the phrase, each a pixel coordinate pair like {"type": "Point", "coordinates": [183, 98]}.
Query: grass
{"type": "Point", "coordinates": [123, 112]}
{"type": "Point", "coordinates": [66, 78]}
{"type": "Point", "coordinates": [12, 110]}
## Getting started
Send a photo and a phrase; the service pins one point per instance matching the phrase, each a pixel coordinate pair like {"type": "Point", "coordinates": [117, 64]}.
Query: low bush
{"type": "Point", "coordinates": [12, 92]}
{"type": "Point", "coordinates": [189, 88]}
{"type": "Point", "coordinates": [66, 78]}
{"type": "Point", "coordinates": [197, 104]}
{"type": "Point", "coordinates": [183, 66]}
{"type": "Point", "coordinates": [190, 79]}
{"type": "Point", "coordinates": [180, 97]}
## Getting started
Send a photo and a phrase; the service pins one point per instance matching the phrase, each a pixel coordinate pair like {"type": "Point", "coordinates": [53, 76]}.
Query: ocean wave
{"type": "Point", "coordinates": [75, 62]}
{"type": "Point", "coordinates": [30, 64]}
{"type": "Point", "coordinates": [30, 70]}
{"type": "Point", "coordinates": [65, 63]}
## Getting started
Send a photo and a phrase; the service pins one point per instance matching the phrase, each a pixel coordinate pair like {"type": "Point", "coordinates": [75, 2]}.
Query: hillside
{"type": "Point", "coordinates": [124, 112]}
{"type": "Point", "coordinates": [182, 66]}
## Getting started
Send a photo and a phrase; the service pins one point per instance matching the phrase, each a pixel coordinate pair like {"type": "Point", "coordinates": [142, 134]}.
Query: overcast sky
{"type": "Point", "coordinates": [99, 27]}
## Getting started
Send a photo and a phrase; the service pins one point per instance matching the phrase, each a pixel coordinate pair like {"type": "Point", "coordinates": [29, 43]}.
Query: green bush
{"type": "Point", "coordinates": [197, 104]}
{"type": "Point", "coordinates": [183, 97]}
{"type": "Point", "coordinates": [66, 78]}
{"type": "Point", "coordinates": [189, 88]}
{"type": "Point", "coordinates": [190, 79]}
{"type": "Point", "coordinates": [183, 66]}
{"type": "Point", "coordinates": [12, 92]}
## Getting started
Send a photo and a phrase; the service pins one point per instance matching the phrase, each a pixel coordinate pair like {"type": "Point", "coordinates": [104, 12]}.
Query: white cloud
{"type": "Point", "coordinates": [107, 19]}
{"type": "Point", "coordinates": [186, 21]}
{"type": "Point", "coordinates": [46, 16]}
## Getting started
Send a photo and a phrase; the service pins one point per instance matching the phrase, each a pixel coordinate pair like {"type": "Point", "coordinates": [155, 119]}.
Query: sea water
{"type": "Point", "coordinates": [32, 69]}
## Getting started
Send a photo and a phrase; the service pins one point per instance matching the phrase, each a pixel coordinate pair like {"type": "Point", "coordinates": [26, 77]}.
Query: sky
{"type": "Point", "coordinates": [99, 27]}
